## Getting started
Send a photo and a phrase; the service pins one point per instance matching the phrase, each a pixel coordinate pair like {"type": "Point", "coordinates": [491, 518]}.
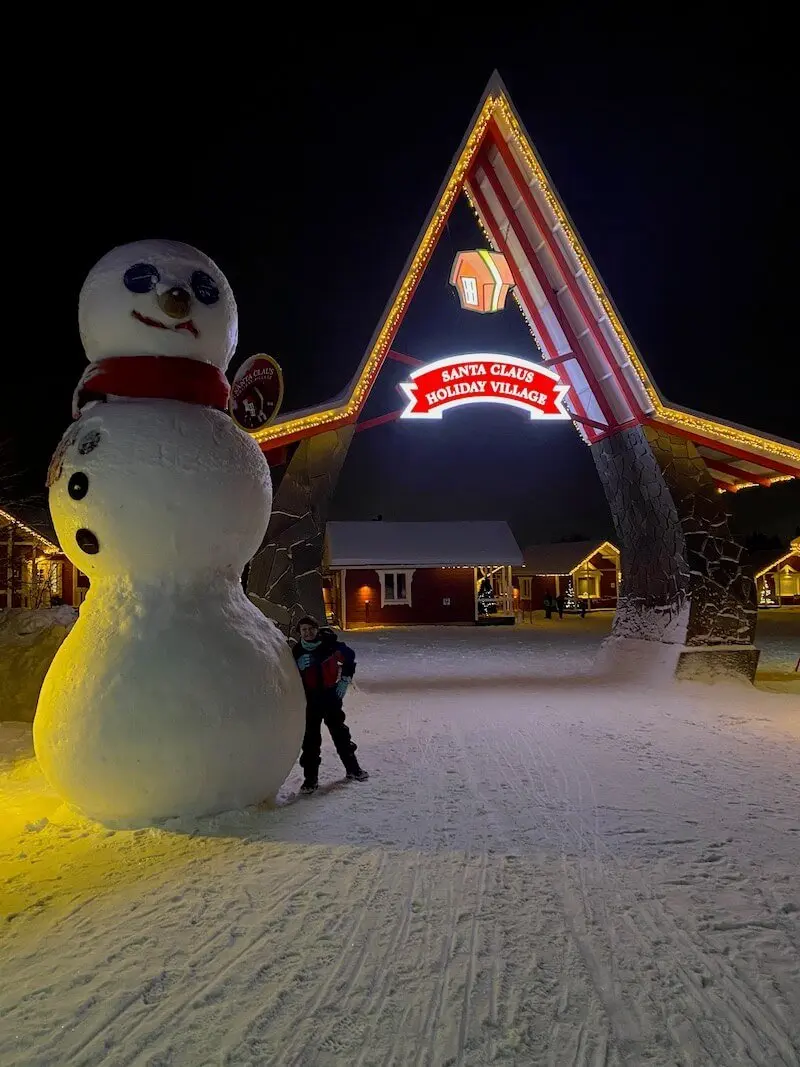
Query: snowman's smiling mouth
{"type": "Point", "coordinates": [189, 326]}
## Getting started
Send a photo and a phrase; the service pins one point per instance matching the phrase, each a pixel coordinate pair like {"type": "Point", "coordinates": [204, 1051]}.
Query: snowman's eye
{"type": "Point", "coordinates": [204, 287]}
{"type": "Point", "coordinates": [78, 485]}
{"type": "Point", "coordinates": [141, 277]}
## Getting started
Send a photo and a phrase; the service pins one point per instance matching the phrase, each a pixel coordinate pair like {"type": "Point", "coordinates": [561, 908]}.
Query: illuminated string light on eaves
{"type": "Point", "coordinates": [507, 117]}
{"type": "Point", "coordinates": [498, 108]}
{"type": "Point", "coordinates": [777, 563]}
{"type": "Point", "coordinates": [686, 420]}
{"type": "Point", "coordinates": [350, 410]}
{"type": "Point", "coordinates": [49, 547]}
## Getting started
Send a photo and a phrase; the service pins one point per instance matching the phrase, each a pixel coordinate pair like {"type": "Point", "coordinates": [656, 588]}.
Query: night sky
{"type": "Point", "coordinates": [308, 182]}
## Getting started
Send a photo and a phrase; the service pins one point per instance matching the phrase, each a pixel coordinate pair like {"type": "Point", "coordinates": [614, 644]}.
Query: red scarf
{"type": "Point", "coordinates": [154, 378]}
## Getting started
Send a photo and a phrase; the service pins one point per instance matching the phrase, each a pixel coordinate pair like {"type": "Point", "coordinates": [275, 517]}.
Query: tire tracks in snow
{"type": "Point", "coordinates": [579, 917]}
{"type": "Point", "coordinates": [463, 1028]}
{"type": "Point", "coordinates": [398, 914]}
{"type": "Point", "coordinates": [753, 1018]}
{"type": "Point", "coordinates": [509, 830]}
{"type": "Point", "coordinates": [155, 1023]}
{"type": "Point", "coordinates": [427, 1040]}
{"type": "Point", "coordinates": [349, 968]}
{"type": "Point", "coordinates": [397, 941]}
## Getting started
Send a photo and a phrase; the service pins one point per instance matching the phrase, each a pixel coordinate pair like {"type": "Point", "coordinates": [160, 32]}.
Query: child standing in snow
{"type": "Point", "coordinates": [327, 667]}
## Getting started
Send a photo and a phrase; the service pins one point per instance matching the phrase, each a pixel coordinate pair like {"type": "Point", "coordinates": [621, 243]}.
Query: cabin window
{"type": "Point", "coordinates": [788, 582]}
{"type": "Point", "coordinates": [395, 587]}
{"type": "Point", "coordinates": [589, 585]}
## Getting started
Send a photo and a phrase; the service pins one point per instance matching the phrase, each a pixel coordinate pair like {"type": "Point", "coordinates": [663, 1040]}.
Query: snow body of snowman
{"type": "Point", "coordinates": [172, 695]}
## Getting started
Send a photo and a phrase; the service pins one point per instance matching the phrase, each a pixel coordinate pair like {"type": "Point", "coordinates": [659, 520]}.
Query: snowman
{"type": "Point", "coordinates": [172, 695]}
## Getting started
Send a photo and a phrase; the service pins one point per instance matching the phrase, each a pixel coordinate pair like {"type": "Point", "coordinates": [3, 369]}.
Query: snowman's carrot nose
{"type": "Point", "coordinates": [175, 302]}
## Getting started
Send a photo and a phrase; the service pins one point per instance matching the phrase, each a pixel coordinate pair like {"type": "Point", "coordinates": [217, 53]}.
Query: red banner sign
{"type": "Point", "coordinates": [484, 379]}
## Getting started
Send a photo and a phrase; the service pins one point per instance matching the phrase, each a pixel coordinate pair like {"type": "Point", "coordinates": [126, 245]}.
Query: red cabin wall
{"type": "Point", "coordinates": [608, 582]}
{"type": "Point", "coordinates": [541, 586]}
{"type": "Point", "coordinates": [67, 582]}
{"type": "Point", "coordinates": [70, 576]}
{"type": "Point", "coordinates": [20, 554]}
{"type": "Point", "coordinates": [545, 584]}
{"type": "Point", "coordinates": [430, 586]}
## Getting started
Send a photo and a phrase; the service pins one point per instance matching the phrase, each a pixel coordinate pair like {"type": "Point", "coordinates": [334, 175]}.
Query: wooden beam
{"type": "Point", "coordinates": [590, 422]}
{"type": "Point", "coordinates": [735, 472]}
{"type": "Point", "coordinates": [400, 357]}
{"type": "Point", "coordinates": [559, 359]}
{"type": "Point", "coordinates": [381, 420]}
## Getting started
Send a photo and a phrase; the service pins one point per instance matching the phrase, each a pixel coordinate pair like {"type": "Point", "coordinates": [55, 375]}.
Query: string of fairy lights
{"type": "Point", "coordinates": [319, 419]}
{"type": "Point", "coordinates": [498, 108]}
{"type": "Point", "coordinates": [13, 522]}
{"type": "Point", "coordinates": [695, 423]}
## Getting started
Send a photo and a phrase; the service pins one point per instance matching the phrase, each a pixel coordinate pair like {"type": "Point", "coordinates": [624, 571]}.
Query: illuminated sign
{"type": "Point", "coordinates": [482, 280]}
{"type": "Point", "coordinates": [256, 393]}
{"type": "Point", "coordinates": [484, 379]}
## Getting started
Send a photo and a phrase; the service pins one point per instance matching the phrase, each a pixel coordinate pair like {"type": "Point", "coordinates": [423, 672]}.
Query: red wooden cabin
{"type": "Point", "coordinates": [419, 573]}
{"type": "Point", "coordinates": [591, 568]}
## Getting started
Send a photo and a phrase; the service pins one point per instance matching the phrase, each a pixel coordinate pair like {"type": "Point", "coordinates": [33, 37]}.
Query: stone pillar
{"type": "Point", "coordinates": [686, 603]}
{"type": "Point", "coordinates": [285, 577]}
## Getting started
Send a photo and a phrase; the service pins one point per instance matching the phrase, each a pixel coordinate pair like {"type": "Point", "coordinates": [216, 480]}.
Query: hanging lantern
{"type": "Point", "coordinates": [482, 280]}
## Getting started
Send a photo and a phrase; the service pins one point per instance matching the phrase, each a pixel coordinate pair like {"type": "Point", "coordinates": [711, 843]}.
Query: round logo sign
{"type": "Point", "coordinates": [256, 393]}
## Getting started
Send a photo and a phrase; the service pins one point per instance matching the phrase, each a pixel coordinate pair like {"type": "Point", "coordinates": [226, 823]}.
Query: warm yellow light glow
{"type": "Point", "coordinates": [718, 431]}
{"type": "Point", "coordinates": [499, 108]}
{"type": "Point", "coordinates": [49, 546]}
{"type": "Point", "coordinates": [777, 563]}
{"type": "Point", "coordinates": [685, 420]}
{"type": "Point", "coordinates": [51, 857]}
{"type": "Point", "coordinates": [426, 246]}
{"type": "Point", "coordinates": [605, 544]}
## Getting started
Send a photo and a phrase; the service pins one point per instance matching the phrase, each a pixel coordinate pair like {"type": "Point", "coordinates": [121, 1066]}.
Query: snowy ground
{"type": "Point", "coordinates": [544, 869]}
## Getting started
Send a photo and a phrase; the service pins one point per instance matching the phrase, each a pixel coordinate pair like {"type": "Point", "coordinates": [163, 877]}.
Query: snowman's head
{"type": "Point", "coordinates": [158, 298]}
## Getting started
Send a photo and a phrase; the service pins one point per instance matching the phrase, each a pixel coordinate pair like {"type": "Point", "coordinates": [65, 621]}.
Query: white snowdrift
{"type": "Point", "coordinates": [28, 641]}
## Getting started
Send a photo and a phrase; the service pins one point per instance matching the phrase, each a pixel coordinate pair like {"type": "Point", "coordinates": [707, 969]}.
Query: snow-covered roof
{"type": "Point", "coordinates": [35, 516]}
{"type": "Point", "coordinates": [562, 557]}
{"type": "Point", "coordinates": [763, 560]}
{"type": "Point", "coordinates": [421, 544]}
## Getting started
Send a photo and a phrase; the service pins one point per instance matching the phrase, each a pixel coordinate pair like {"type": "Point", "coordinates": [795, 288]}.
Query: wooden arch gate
{"type": "Point", "coordinates": [686, 598]}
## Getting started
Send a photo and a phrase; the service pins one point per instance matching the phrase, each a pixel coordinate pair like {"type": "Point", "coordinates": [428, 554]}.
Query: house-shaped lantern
{"type": "Point", "coordinates": [482, 280]}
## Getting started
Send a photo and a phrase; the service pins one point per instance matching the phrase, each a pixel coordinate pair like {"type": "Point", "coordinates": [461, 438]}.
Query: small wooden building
{"type": "Point", "coordinates": [419, 573]}
{"type": "Point", "coordinates": [34, 572]}
{"type": "Point", "coordinates": [777, 576]}
{"type": "Point", "coordinates": [591, 568]}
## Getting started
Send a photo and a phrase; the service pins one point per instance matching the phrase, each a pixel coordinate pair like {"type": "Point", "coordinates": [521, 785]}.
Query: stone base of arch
{"type": "Point", "coordinates": [687, 605]}
{"type": "Point", "coordinates": [285, 575]}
